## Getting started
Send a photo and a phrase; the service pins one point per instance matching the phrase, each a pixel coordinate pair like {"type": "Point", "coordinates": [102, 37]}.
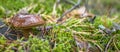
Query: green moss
{"type": "Point", "coordinates": [103, 20]}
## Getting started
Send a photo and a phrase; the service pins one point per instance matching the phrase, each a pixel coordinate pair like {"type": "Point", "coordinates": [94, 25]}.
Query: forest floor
{"type": "Point", "coordinates": [72, 35]}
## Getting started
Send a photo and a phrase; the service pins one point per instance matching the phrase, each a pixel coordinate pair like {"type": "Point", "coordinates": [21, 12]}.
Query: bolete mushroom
{"type": "Point", "coordinates": [25, 22]}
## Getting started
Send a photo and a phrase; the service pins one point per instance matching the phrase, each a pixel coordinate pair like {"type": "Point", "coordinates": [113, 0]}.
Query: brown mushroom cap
{"type": "Point", "coordinates": [24, 21]}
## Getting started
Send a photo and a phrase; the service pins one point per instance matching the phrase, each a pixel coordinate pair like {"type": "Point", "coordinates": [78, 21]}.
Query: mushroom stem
{"type": "Point", "coordinates": [27, 32]}
{"type": "Point", "coordinates": [43, 31]}
{"type": "Point", "coordinates": [92, 17]}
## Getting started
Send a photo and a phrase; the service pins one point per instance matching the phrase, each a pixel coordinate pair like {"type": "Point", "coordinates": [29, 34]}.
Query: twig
{"type": "Point", "coordinates": [75, 32]}
{"type": "Point", "coordinates": [2, 25]}
{"type": "Point", "coordinates": [100, 48]}
{"type": "Point", "coordinates": [7, 31]}
{"type": "Point", "coordinates": [69, 2]}
{"type": "Point", "coordinates": [55, 6]}
{"type": "Point", "coordinates": [74, 7]}
{"type": "Point", "coordinates": [0, 34]}
{"type": "Point", "coordinates": [58, 2]}
{"type": "Point", "coordinates": [111, 39]}
{"type": "Point", "coordinates": [115, 45]}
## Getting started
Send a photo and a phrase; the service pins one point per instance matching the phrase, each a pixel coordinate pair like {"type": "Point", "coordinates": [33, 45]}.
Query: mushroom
{"type": "Point", "coordinates": [77, 13]}
{"type": "Point", "coordinates": [82, 12]}
{"type": "Point", "coordinates": [25, 22]}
